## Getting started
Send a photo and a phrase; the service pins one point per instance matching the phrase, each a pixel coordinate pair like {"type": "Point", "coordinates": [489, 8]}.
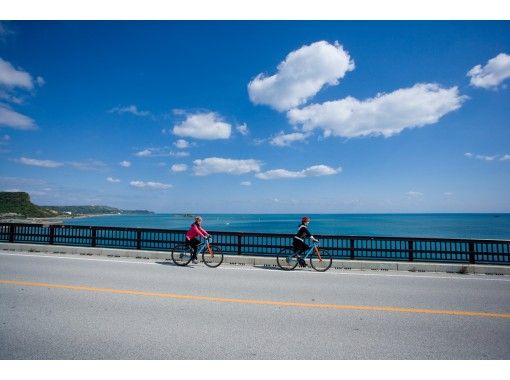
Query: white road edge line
{"type": "Point", "coordinates": [331, 273]}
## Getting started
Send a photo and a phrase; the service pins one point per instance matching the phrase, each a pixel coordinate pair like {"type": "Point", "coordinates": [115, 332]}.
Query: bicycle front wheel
{"type": "Point", "coordinates": [322, 264]}
{"type": "Point", "coordinates": [213, 260]}
{"type": "Point", "coordinates": [287, 259]}
{"type": "Point", "coordinates": [181, 255]}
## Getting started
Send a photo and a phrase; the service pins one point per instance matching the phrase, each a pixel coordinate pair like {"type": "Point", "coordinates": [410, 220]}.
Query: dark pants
{"type": "Point", "coordinates": [193, 244]}
{"type": "Point", "coordinates": [298, 246]}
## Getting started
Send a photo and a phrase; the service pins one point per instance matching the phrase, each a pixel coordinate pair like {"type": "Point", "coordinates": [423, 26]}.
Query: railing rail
{"type": "Point", "coordinates": [391, 248]}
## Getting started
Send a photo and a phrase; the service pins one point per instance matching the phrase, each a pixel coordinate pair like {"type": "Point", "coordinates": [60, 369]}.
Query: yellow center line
{"type": "Point", "coordinates": [260, 302]}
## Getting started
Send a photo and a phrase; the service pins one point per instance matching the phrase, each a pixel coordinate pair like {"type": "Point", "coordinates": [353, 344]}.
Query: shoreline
{"type": "Point", "coordinates": [50, 220]}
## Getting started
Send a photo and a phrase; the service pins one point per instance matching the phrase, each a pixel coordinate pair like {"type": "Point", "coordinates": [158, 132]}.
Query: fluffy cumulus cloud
{"type": "Point", "coordinates": [176, 168]}
{"type": "Point", "coordinates": [312, 171]}
{"type": "Point", "coordinates": [205, 126]}
{"type": "Point", "coordinates": [283, 139]}
{"type": "Point", "coordinates": [132, 109]}
{"type": "Point", "coordinates": [150, 185]}
{"type": "Point", "coordinates": [213, 165]}
{"type": "Point", "coordinates": [492, 74]}
{"type": "Point", "coordinates": [144, 153]}
{"type": "Point", "coordinates": [12, 81]}
{"type": "Point", "coordinates": [301, 75]}
{"type": "Point", "coordinates": [385, 114]}
{"type": "Point", "coordinates": [41, 163]}
{"type": "Point", "coordinates": [12, 119]}
{"type": "Point", "coordinates": [182, 144]}
{"type": "Point", "coordinates": [113, 180]}
{"type": "Point", "coordinates": [11, 77]}
{"type": "Point", "coordinates": [243, 129]}
{"type": "Point", "coordinates": [125, 164]}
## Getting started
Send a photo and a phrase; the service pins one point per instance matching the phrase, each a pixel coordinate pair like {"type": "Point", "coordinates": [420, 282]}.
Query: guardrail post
{"type": "Point", "coordinates": [411, 253]}
{"type": "Point", "coordinates": [12, 233]}
{"type": "Point", "coordinates": [138, 239]}
{"type": "Point", "coordinates": [52, 234]}
{"type": "Point", "coordinates": [239, 244]}
{"type": "Point", "coordinates": [352, 248]}
{"type": "Point", "coordinates": [471, 252]}
{"type": "Point", "coordinates": [93, 241]}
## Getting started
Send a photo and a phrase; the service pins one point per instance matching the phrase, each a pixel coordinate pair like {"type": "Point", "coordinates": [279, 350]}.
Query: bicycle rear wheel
{"type": "Point", "coordinates": [322, 264]}
{"type": "Point", "coordinates": [181, 255]}
{"type": "Point", "coordinates": [214, 260]}
{"type": "Point", "coordinates": [287, 259]}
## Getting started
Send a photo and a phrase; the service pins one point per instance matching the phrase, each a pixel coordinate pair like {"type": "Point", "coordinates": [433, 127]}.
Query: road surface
{"type": "Point", "coordinates": [87, 307]}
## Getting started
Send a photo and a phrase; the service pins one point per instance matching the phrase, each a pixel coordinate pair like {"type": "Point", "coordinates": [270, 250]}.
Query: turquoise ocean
{"type": "Point", "coordinates": [474, 226]}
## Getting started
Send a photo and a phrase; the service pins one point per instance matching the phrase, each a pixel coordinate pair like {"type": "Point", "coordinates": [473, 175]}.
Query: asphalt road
{"type": "Point", "coordinates": [81, 307]}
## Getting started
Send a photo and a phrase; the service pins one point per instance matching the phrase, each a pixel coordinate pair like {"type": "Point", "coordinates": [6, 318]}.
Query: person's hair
{"type": "Point", "coordinates": [305, 219]}
{"type": "Point", "coordinates": [197, 218]}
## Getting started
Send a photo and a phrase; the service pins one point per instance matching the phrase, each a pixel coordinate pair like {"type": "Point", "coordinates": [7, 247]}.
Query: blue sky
{"type": "Point", "coordinates": [258, 116]}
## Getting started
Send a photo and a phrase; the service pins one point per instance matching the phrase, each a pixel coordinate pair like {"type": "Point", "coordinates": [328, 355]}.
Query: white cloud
{"type": "Point", "coordinates": [246, 183]}
{"type": "Point", "coordinates": [287, 139]}
{"type": "Point", "coordinates": [386, 114]}
{"type": "Point", "coordinates": [144, 153]}
{"type": "Point", "coordinates": [125, 164]}
{"type": "Point", "coordinates": [214, 165]}
{"type": "Point", "coordinates": [487, 158]}
{"type": "Point", "coordinates": [132, 109]}
{"type": "Point", "coordinates": [182, 144]}
{"type": "Point", "coordinates": [15, 120]}
{"type": "Point", "coordinates": [150, 185]}
{"type": "Point", "coordinates": [243, 129]}
{"type": "Point", "coordinates": [312, 171]}
{"type": "Point", "coordinates": [40, 163]}
{"type": "Point", "coordinates": [492, 74]}
{"type": "Point", "coordinates": [11, 77]}
{"type": "Point", "coordinates": [113, 180]}
{"type": "Point", "coordinates": [414, 195]}
{"type": "Point", "coordinates": [40, 81]}
{"type": "Point", "coordinates": [206, 126]}
{"type": "Point", "coordinates": [179, 154]}
{"type": "Point", "coordinates": [87, 165]}
{"type": "Point", "coordinates": [301, 75]}
{"type": "Point", "coordinates": [160, 152]}
{"type": "Point", "coordinates": [176, 168]}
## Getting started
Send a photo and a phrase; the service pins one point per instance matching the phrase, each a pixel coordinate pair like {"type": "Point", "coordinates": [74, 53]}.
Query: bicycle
{"type": "Point", "coordinates": [321, 261]}
{"type": "Point", "coordinates": [211, 255]}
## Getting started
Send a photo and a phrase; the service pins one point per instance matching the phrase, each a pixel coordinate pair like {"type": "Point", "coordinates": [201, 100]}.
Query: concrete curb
{"type": "Point", "coordinates": [363, 265]}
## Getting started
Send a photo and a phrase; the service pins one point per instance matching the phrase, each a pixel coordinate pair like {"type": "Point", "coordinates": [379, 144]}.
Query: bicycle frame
{"type": "Point", "coordinates": [314, 247]}
{"type": "Point", "coordinates": [204, 243]}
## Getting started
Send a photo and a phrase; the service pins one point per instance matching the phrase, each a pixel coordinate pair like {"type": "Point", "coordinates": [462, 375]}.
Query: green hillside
{"type": "Point", "coordinates": [19, 203]}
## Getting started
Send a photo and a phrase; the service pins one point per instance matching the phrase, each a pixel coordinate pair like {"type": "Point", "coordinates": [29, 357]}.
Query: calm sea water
{"type": "Point", "coordinates": [476, 226]}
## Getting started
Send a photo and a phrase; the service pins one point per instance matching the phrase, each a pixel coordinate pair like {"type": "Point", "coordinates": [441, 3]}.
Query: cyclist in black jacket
{"type": "Point", "coordinates": [298, 242]}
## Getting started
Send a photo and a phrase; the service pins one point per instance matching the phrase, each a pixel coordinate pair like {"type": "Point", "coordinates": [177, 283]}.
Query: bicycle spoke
{"type": "Point", "coordinates": [181, 255]}
{"type": "Point", "coordinates": [212, 258]}
{"type": "Point", "coordinates": [286, 259]}
{"type": "Point", "coordinates": [322, 263]}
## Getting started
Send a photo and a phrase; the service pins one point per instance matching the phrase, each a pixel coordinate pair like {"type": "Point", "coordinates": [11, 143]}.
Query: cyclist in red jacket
{"type": "Point", "coordinates": [191, 237]}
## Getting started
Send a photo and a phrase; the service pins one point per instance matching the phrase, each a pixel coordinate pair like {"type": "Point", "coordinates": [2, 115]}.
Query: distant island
{"type": "Point", "coordinates": [16, 206]}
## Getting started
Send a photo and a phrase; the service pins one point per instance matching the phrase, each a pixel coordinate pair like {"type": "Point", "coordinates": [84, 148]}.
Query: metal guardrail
{"type": "Point", "coordinates": [473, 251]}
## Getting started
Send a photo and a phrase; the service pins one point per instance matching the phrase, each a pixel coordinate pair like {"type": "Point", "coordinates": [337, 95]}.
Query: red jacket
{"type": "Point", "coordinates": [194, 231]}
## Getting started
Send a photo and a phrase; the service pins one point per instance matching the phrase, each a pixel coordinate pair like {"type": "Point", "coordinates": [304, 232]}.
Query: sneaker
{"type": "Point", "coordinates": [194, 261]}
